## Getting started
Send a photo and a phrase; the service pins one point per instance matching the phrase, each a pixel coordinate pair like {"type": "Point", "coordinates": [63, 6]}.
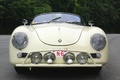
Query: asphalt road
{"type": "Point", "coordinates": [111, 71]}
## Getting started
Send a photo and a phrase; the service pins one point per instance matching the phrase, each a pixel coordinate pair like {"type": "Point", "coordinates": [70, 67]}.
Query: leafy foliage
{"type": "Point", "coordinates": [13, 11]}
{"type": "Point", "coordinates": [104, 13]}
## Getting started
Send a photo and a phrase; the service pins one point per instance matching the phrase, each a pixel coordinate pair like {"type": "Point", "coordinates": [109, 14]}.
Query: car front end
{"type": "Point", "coordinates": [58, 45]}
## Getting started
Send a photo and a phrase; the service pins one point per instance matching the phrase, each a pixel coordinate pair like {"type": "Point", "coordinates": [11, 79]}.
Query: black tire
{"type": "Point", "coordinates": [22, 69]}
{"type": "Point", "coordinates": [98, 69]}
{"type": "Point", "coordinates": [95, 69]}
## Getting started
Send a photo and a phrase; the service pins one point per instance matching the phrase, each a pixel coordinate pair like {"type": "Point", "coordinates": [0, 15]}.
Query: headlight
{"type": "Point", "coordinates": [98, 41]}
{"type": "Point", "coordinates": [49, 57]}
{"type": "Point", "coordinates": [20, 40]}
{"type": "Point", "coordinates": [82, 58]}
{"type": "Point", "coordinates": [36, 57]}
{"type": "Point", "coordinates": [69, 58]}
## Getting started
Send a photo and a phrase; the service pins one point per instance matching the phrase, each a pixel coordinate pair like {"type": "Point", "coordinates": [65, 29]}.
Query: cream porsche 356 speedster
{"type": "Point", "coordinates": [57, 40]}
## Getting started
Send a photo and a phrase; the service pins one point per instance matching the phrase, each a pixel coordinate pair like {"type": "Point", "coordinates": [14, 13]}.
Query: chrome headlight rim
{"type": "Point", "coordinates": [80, 60]}
{"type": "Point", "coordinates": [33, 57]}
{"type": "Point", "coordinates": [68, 54]}
{"type": "Point", "coordinates": [20, 40]}
{"type": "Point", "coordinates": [98, 41]}
{"type": "Point", "coordinates": [51, 56]}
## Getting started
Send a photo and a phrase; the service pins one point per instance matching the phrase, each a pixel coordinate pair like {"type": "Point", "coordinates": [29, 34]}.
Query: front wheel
{"type": "Point", "coordinates": [22, 69]}
{"type": "Point", "coordinates": [95, 69]}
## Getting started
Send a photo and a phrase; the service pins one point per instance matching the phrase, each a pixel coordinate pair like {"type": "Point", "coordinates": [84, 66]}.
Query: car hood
{"type": "Point", "coordinates": [58, 34]}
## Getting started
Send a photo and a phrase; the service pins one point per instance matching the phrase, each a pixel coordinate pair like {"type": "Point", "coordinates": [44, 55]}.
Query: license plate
{"type": "Point", "coordinates": [59, 53]}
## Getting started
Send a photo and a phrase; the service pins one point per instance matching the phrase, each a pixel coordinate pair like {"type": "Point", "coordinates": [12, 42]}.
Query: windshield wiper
{"type": "Point", "coordinates": [54, 19]}
{"type": "Point", "coordinates": [48, 21]}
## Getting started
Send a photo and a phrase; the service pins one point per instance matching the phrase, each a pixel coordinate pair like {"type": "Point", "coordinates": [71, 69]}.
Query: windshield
{"type": "Point", "coordinates": [57, 17]}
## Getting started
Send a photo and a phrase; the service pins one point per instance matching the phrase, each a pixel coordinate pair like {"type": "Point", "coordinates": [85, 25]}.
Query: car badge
{"type": "Point", "coordinates": [59, 40]}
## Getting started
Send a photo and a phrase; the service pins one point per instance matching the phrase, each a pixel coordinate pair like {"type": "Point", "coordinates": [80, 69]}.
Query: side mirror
{"type": "Point", "coordinates": [25, 21]}
{"type": "Point", "coordinates": [90, 23]}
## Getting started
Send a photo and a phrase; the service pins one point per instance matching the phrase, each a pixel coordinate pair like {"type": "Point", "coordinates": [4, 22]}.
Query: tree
{"type": "Point", "coordinates": [13, 11]}
{"type": "Point", "coordinates": [104, 13]}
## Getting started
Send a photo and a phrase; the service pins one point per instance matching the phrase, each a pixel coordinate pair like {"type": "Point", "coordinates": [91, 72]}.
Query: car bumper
{"type": "Point", "coordinates": [58, 65]}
